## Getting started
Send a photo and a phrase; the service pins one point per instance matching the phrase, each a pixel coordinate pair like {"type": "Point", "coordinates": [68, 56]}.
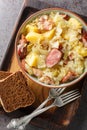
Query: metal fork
{"type": "Point", "coordinates": [53, 93]}
{"type": "Point", "coordinates": [59, 102]}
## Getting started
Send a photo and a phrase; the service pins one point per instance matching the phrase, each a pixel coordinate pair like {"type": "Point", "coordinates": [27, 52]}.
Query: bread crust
{"type": "Point", "coordinates": [4, 74]}
{"type": "Point", "coordinates": [15, 92]}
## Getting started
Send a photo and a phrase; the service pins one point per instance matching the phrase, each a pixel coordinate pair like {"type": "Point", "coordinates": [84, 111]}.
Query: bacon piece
{"type": "Point", "coordinates": [84, 38]}
{"type": "Point", "coordinates": [66, 17]}
{"type": "Point", "coordinates": [47, 80]}
{"type": "Point", "coordinates": [69, 76]}
{"type": "Point", "coordinates": [43, 18]}
{"type": "Point", "coordinates": [22, 50]}
{"type": "Point", "coordinates": [22, 47]}
{"type": "Point", "coordinates": [44, 45]}
{"type": "Point", "coordinates": [60, 47]}
{"type": "Point", "coordinates": [45, 23]}
{"type": "Point", "coordinates": [37, 72]}
{"type": "Point", "coordinates": [71, 56]}
{"type": "Point", "coordinates": [23, 39]}
{"type": "Point", "coordinates": [53, 58]}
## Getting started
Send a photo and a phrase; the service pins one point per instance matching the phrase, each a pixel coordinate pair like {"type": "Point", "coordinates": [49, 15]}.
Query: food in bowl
{"type": "Point", "coordinates": [53, 48]}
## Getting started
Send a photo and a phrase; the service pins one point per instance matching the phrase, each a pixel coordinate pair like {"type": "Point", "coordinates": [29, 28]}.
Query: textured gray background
{"type": "Point", "coordinates": [79, 6]}
{"type": "Point", "coordinates": [9, 10]}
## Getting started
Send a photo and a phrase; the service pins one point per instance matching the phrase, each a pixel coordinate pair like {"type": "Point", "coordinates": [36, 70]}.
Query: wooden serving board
{"type": "Point", "coordinates": [58, 116]}
{"type": "Point", "coordinates": [55, 118]}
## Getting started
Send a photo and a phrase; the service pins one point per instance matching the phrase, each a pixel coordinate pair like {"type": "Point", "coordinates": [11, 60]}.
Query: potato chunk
{"type": "Point", "coordinates": [34, 37]}
{"type": "Point", "coordinates": [49, 35]}
{"type": "Point", "coordinates": [83, 52]}
{"type": "Point", "coordinates": [32, 59]}
{"type": "Point", "coordinates": [31, 28]}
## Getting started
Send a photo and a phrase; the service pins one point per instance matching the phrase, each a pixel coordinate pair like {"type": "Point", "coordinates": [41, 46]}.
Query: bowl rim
{"type": "Point", "coordinates": [16, 41]}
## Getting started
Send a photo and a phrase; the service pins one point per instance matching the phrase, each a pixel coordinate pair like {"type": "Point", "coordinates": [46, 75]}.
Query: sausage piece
{"type": "Point", "coordinates": [53, 58]}
{"type": "Point", "coordinates": [69, 76]}
{"type": "Point", "coordinates": [22, 47]}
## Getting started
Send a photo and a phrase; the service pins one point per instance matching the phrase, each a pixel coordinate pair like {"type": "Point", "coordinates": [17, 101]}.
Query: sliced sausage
{"type": "Point", "coordinates": [69, 76]}
{"type": "Point", "coordinates": [53, 58]}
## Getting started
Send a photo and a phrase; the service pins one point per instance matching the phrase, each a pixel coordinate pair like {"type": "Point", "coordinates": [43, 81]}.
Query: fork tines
{"type": "Point", "coordinates": [60, 90]}
{"type": "Point", "coordinates": [70, 96]}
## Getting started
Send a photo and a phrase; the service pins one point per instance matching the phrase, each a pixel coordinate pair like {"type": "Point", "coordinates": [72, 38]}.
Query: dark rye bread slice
{"type": "Point", "coordinates": [15, 92]}
{"type": "Point", "coordinates": [4, 74]}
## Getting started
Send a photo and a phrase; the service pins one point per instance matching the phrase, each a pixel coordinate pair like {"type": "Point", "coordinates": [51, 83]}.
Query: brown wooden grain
{"type": "Point", "coordinates": [59, 117]}
{"type": "Point", "coordinates": [55, 118]}
{"type": "Point", "coordinates": [40, 92]}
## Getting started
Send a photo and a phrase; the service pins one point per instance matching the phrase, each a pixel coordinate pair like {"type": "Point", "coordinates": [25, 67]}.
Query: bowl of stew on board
{"type": "Point", "coordinates": [51, 47]}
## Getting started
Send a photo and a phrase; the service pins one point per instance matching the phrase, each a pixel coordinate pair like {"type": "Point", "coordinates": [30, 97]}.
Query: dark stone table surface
{"type": "Point", "coordinates": [9, 11]}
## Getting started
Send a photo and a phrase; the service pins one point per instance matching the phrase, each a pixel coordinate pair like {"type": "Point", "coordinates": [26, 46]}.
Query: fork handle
{"type": "Point", "coordinates": [28, 119]}
{"type": "Point", "coordinates": [43, 103]}
{"type": "Point", "coordinates": [23, 121]}
{"type": "Point", "coordinates": [19, 121]}
{"type": "Point", "coordinates": [36, 113]}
